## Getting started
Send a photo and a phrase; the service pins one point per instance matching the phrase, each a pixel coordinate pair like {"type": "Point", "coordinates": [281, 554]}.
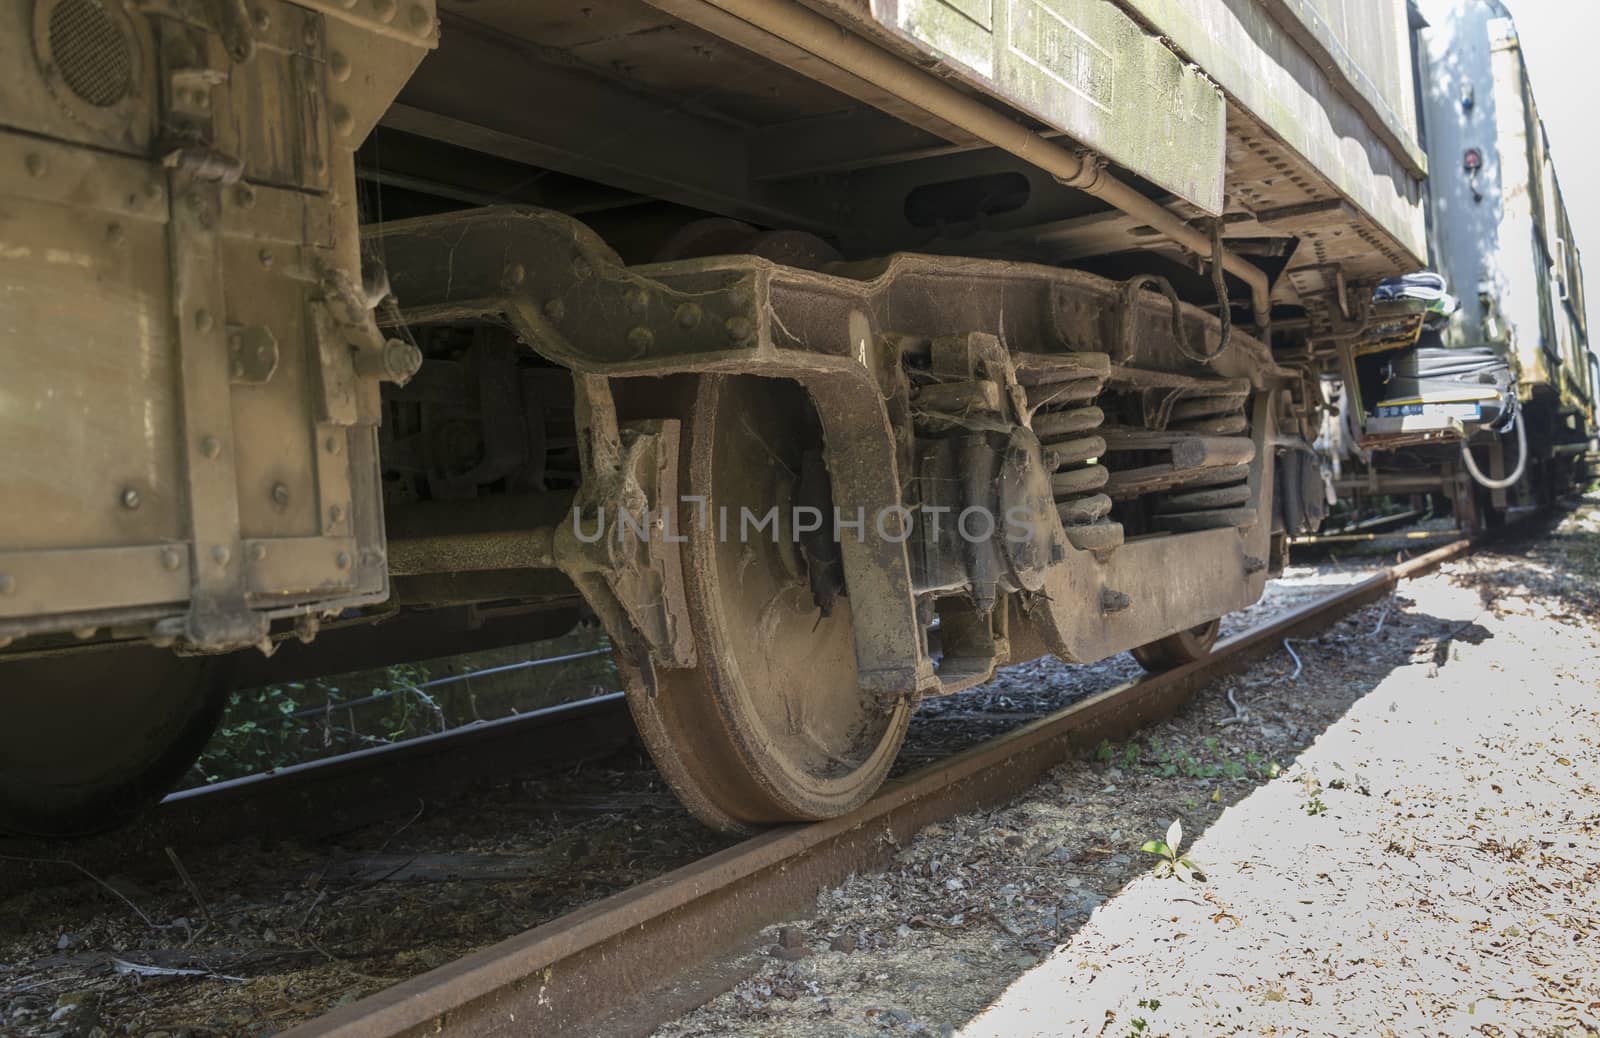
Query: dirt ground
{"type": "Point", "coordinates": [1400, 837]}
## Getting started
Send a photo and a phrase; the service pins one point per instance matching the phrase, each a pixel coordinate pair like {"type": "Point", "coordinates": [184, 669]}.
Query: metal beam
{"type": "Point", "coordinates": [493, 94]}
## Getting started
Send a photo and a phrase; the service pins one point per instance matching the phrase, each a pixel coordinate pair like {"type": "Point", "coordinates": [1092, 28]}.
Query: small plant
{"type": "Point", "coordinates": [1172, 863]}
{"type": "Point", "coordinates": [1138, 1026]}
{"type": "Point", "coordinates": [1313, 787]}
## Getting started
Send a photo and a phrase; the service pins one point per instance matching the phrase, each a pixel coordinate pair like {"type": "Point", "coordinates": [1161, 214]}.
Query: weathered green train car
{"type": "Point", "coordinates": [1060, 263]}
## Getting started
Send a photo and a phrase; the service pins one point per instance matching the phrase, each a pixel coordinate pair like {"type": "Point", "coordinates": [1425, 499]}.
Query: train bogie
{"type": "Point", "coordinates": [832, 354]}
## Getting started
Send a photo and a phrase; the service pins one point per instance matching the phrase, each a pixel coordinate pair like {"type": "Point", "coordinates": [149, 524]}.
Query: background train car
{"type": "Point", "coordinates": [1510, 371]}
{"type": "Point", "coordinates": [1068, 260]}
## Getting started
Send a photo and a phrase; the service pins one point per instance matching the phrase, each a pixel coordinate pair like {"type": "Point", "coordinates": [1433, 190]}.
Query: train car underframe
{"type": "Point", "coordinates": [400, 443]}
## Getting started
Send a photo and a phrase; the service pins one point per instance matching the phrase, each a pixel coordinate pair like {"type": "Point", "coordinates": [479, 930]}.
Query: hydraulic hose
{"type": "Point", "coordinates": [1516, 474]}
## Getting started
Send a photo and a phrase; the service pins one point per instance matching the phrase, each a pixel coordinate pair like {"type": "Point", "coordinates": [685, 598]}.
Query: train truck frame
{"type": "Point", "coordinates": [339, 332]}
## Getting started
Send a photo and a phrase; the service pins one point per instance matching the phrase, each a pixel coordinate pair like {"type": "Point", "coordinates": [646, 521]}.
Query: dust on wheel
{"type": "Point", "coordinates": [1177, 649]}
{"type": "Point", "coordinates": [92, 738]}
{"type": "Point", "coordinates": [771, 725]}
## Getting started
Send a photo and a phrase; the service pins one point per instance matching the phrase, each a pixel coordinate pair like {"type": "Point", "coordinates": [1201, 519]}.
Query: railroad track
{"type": "Point", "coordinates": [337, 794]}
{"type": "Point", "coordinates": [627, 963]}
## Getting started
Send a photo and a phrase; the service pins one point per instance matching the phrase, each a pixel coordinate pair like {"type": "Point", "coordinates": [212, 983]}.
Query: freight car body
{"type": "Point", "coordinates": [1057, 263]}
{"type": "Point", "coordinates": [1501, 236]}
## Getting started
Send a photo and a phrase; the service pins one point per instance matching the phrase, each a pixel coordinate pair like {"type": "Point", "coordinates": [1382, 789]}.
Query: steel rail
{"type": "Point", "coordinates": [337, 794]}
{"type": "Point", "coordinates": [631, 961]}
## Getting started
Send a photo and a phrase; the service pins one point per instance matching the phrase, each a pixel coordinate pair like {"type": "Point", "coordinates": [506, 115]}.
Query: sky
{"type": "Point", "coordinates": [1558, 39]}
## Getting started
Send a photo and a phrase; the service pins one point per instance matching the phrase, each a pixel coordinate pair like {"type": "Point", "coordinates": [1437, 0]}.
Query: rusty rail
{"type": "Point", "coordinates": [625, 964]}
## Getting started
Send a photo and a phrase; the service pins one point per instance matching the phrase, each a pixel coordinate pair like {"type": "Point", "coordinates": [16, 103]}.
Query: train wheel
{"type": "Point", "coordinates": [90, 738]}
{"type": "Point", "coordinates": [770, 726]}
{"type": "Point", "coordinates": [1177, 649]}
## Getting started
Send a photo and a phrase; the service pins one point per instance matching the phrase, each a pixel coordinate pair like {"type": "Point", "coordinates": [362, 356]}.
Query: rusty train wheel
{"type": "Point", "coordinates": [1177, 649]}
{"type": "Point", "coordinates": [93, 737]}
{"type": "Point", "coordinates": [770, 726]}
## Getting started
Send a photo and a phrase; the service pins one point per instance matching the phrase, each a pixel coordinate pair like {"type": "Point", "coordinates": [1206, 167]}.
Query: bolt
{"type": "Point", "coordinates": [384, 9]}
{"type": "Point", "coordinates": [130, 498]}
{"type": "Point", "coordinates": [262, 20]}
{"type": "Point", "coordinates": [265, 256]}
{"type": "Point", "coordinates": [1113, 601]}
{"type": "Point", "coordinates": [202, 320]}
{"type": "Point", "coordinates": [8, 583]}
{"type": "Point", "coordinates": [244, 196]}
{"type": "Point", "coordinates": [236, 369]}
{"type": "Point", "coordinates": [220, 553]}
{"type": "Point", "coordinates": [258, 552]}
{"type": "Point", "coordinates": [338, 66]}
{"type": "Point", "coordinates": [331, 445]}
{"type": "Point", "coordinates": [342, 560]}
{"type": "Point", "coordinates": [640, 340]}
{"type": "Point", "coordinates": [421, 21]}
{"type": "Point", "coordinates": [115, 234]}
{"type": "Point", "coordinates": [170, 560]}
{"type": "Point", "coordinates": [1253, 564]}
{"type": "Point", "coordinates": [581, 267]}
{"type": "Point", "coordinates": [687, 315]}
{"type": "Point", "coordinates": [555, 309]}
{"type": "Point", "coordinates": [739, 329]}
{"type": "Point", "coordinates": [37, 166]}
{"type": "Point", "coordinates": [153, 190]}
{"type": "Point", "coordinates": [210, 446]}
{"type": "Point", "coordinates": [638, 300]}
{"type": "Point", "coordinates": [1058, 552]}
{"type": "Point", "coordinates": [516, 274]}
{"type": "Point", "coordinates": [343, 121]}
{"type": "Point", "coordinates": [335, 514]}
{"type": "Point", "coordinates": [280, 494]}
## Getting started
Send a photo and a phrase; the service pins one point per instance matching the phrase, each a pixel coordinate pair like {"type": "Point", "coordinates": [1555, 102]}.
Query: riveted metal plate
{"type": "Point", "coordinates": [1089, 70]}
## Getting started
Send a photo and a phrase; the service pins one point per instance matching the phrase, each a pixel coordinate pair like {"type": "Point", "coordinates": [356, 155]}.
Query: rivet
{"type": "Point", "coordinates": [687, 315]}
{"type": "Point", "coordinates": [641, 339]}
{"type": "Point", "coordinates": [210, 447]}
{"type": "Point", "coordinates": [220, 554]}
{"type": "Point", "coordinates": [581, 267]}
{"type": "Point", "coordinates": [115, 234]}
{"type": "Point", "coordinates": [385, 10]}
{"type": "Point", "coordinates": [130, 497]}
{"type": "Point", "coordinates": [319, 166]}
{"type": "Point", "coordinates": [331, 445]}
{"type": "Point", "coordinates": [638, 300]}
{"type": "Point", "coordinates": [236, 369]}
{"type": "Point", "coordinates": [342, 560]}
{"type": "Point", "coordinates": [8, 583]}
{"type": "Point", "coordinates": [739, 329]}
{"type": "Point", "coordinates": [343, 121]}
{"type": "Point", "coordinates": [170, 560]}
{"type": "Point", "coordinates": [421, 20]}
{"type": "Point", "coordinates": [280, 494]}
{"type": "Point", "coordinates": [335, 514]}
{"type": "Point", "coordinates": [37, 166]}
{"type": "Point", "coordinates": [262, 20]}
{"type": "Point", "coordinates": [516, 274]}
{"type": "Point", "coordinates": [202, 320]}
{"type": "Point", "coordinates": [258, 552]}
{"type": "Point", "coordinates": [555, 309]}
{"type": "Point", "coordinates": [338, 66]}
{"type": "Point", "coordinates": [244, 196]}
